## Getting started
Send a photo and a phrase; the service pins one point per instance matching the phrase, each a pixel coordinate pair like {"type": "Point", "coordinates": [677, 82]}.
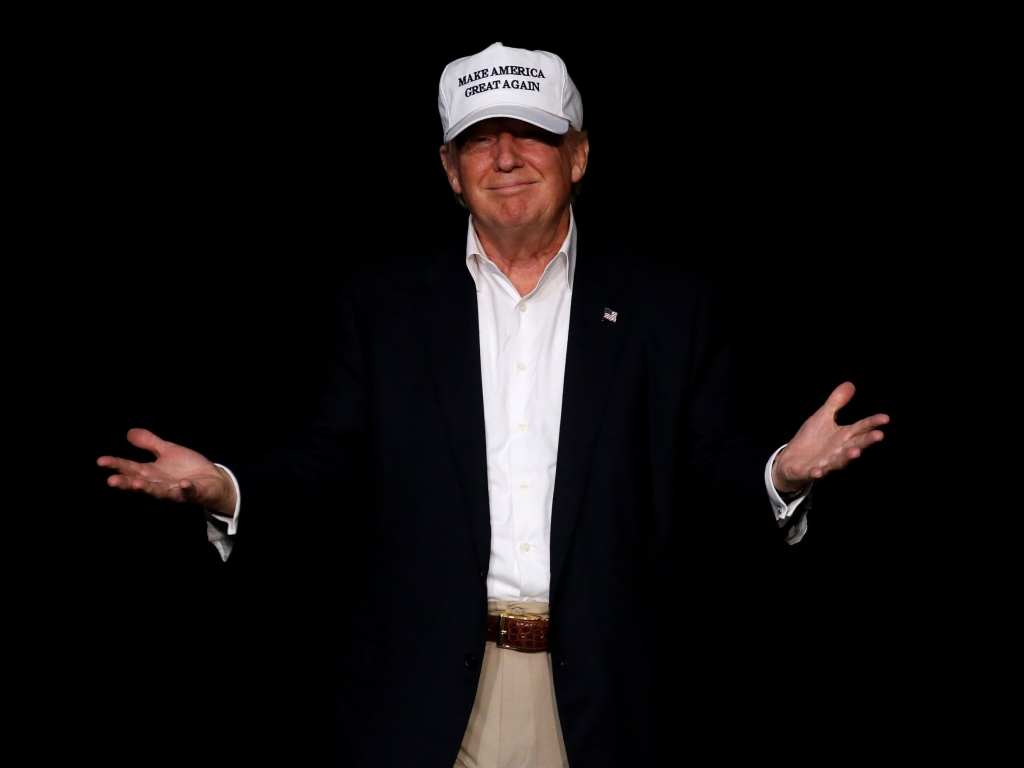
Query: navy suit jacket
{"type": "Point", "coordinates": [655, 460]}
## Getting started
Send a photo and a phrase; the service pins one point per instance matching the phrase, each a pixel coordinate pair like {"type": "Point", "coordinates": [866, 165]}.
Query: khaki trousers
{"type": "Point", "coordinates": [514, 723]}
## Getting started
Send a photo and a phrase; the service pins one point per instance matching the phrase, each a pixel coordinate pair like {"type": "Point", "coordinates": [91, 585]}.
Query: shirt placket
{"type": "Point", "coordinates": [535, 404]}
{"type": "Point", "coordinates": [524, 337]}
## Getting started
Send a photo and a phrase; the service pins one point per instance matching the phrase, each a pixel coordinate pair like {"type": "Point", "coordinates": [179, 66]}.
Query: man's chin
{"type": "Point", "coordinates": [515, 212]}
{"type": "Point", "coordinates": [512, 221]}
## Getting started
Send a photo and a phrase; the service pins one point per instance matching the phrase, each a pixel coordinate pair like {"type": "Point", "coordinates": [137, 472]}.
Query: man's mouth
{"type": "Point", "coordinates": [510, 186]}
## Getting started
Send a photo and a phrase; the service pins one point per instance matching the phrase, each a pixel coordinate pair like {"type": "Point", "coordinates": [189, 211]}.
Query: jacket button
{"type": "Point", "coordinates": [470, 661]}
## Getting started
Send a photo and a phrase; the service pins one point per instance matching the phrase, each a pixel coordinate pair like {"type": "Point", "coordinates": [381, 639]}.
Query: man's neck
{"type": "Point", "coordinates": [523, 254]}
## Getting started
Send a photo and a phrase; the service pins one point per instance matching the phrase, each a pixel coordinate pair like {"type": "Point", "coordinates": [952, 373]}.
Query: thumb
{"type": "Point", "coordinates": [143, 438]}
{"type": "Point", "coordinates": [840, 396]}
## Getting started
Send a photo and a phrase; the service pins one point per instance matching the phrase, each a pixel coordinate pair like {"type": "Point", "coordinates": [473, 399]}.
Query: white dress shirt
{"type": "Point", "coordinates": [522, 369]}
{"type": "Point", "coordinates": [523, 342]}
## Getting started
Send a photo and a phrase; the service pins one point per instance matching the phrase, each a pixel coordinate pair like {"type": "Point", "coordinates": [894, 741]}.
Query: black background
{"type": "Point", "coordinates": [219, 184]}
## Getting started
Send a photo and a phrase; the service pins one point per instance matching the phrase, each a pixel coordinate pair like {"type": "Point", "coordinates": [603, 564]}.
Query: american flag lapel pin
{"type": "Point", "coordinates": [610, 315]}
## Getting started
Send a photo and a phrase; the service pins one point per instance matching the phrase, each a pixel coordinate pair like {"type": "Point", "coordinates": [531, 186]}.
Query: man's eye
{"type": "Point", "coordinates": [542, 137]}
{"type": "Point", "coordinates": [479, 142]}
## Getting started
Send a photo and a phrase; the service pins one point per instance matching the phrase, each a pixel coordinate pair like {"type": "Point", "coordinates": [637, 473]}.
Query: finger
{"type": "Point", "coordinates": [135, 483]}
{"type": "Point", "coordinates": [869, 423]}
{"type": "Point", "coordinates": [124, 466]}
{"type": "Point", "coordinates": [185, 491]}
{"type": "Point", "coordinates": [865, 440]}
{"type": "Point", "coordinates": [852, 449]}
{"type": "Point", "coordinates": [189, 490]}
{"type": "Point", "coordinates": [120, 481]}
{"type": "Point", "coordinates": [147, 486]}
{"type": "Point", "coordinates": [143, 438]}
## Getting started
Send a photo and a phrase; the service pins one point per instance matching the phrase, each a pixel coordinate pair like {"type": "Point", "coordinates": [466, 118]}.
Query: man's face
{"type": "Point", "coordinates": [513, 174]}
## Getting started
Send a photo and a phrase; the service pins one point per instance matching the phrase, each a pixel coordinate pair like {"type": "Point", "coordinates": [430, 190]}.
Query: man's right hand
{"type": "Point", "coordinates": [178, 474]}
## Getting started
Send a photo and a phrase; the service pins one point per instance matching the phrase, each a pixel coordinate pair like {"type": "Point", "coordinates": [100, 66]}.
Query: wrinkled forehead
{"type": "Point", "coordinates": [511, 125]}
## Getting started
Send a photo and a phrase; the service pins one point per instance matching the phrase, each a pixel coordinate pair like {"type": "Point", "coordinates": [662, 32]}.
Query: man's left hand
{"type": "Point", "coordinates": [822, 445]}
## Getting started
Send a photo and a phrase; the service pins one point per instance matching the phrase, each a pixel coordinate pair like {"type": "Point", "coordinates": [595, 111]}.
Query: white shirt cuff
{"type": "Point", "coordinates": [785, 510]}
{"type": "Point", "coordinates": [219, 528]}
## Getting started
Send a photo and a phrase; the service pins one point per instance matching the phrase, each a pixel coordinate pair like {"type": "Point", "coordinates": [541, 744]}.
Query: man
{"type": "Point", "coordinates": [507, 617]}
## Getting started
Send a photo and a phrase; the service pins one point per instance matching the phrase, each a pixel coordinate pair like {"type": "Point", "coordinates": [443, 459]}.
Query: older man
{"type": "Point", "coordinates": [542, 417]}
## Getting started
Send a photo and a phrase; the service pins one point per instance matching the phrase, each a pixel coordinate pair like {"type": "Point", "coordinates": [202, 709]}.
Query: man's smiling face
{"type": "Point", "coordinates": [513, 174]}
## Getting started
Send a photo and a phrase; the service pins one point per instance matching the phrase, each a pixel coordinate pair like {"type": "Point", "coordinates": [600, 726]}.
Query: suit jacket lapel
{"type": "Point", "coordinates": [449, 309]}
{"type": "Point", "coordinates": [593, 351]}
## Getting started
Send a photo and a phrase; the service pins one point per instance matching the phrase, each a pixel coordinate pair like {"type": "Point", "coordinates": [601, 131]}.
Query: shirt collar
{"type": "Point", "coordinates": [475, 252]}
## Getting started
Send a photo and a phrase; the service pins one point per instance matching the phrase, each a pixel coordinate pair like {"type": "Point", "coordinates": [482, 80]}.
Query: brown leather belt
{"type": "Point", "coordinates": [520, 632]}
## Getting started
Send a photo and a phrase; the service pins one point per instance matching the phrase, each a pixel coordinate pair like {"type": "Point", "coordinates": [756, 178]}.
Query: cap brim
{"type": "Point", "coordinates": [531, 115]}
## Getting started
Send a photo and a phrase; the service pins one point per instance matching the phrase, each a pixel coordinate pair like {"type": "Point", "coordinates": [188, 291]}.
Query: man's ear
{"type": "Point", "coordinates": [579, 159]}
{"type": "Point", "coordinates": [451, 169]}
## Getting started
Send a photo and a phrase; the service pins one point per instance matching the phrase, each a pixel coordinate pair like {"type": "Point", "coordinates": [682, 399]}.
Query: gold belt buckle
{"type": "Point", "coordinates": [503, 618]}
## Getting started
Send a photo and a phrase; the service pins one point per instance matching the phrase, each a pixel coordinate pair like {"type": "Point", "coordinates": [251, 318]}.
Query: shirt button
{"type": "Point", "coordinates": [525, 546]}
{"type": "Point", "coordinates": [520, 366]}
{"type": "Point", "coordinates": [522, 427]}
{"type": "Point", "coordinates": [522, 307]}
{"type": "Point", "coordinates": [524, 486]}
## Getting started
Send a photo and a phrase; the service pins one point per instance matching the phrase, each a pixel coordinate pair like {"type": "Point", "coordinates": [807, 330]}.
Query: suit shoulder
{"type": "Point", "coordinates": [398, 271]}
{"type": "Point", "coordinates": [657, 271]}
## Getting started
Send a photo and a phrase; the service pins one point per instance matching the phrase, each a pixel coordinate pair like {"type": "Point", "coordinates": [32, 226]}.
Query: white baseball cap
{"type": "Point", "coordinates": [533, 86]}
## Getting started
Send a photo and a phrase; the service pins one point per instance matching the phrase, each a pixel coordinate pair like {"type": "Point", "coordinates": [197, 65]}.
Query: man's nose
{"type": "Point", "coordinates": [507, 153]}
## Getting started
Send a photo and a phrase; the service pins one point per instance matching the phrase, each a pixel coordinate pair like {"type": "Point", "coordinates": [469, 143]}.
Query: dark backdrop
{"type": "Point", "coordinates": [219, 185]}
